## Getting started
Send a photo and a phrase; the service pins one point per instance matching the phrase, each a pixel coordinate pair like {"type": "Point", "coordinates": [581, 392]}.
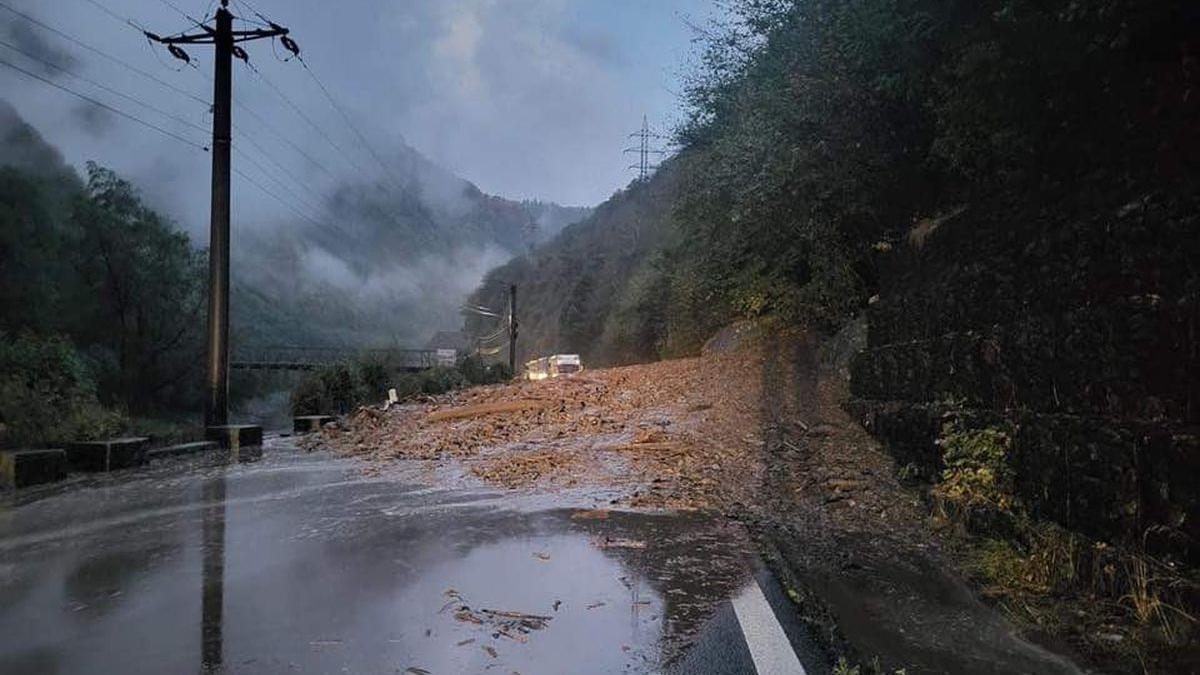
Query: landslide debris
{"type": "Point", "coordinates": [661, 435]}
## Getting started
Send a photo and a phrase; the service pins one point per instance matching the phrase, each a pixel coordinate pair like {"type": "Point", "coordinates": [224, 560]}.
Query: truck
{"type": "Point", "coordinates": [553, 366]}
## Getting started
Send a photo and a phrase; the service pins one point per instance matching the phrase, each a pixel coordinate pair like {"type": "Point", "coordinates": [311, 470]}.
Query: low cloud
{"type": "Point", "coordinates": [47, 58]}
{"type": "Point", "coordinates": [93, 119]}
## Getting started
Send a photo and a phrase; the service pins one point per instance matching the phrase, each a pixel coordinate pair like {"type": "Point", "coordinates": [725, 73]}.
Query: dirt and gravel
{"type": "Point", "coordinates": [692, 433]}
{"type": "Point", "coordinates": [680, 434]}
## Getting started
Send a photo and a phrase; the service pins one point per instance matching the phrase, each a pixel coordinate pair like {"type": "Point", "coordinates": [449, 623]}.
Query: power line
{"type": "Point", "coordinates": [292, 104]}
{"type": "Point", "coordinates": [354, 165]}
{"type": "Point", "coordinates": [95, 50]}
{"type": "Point", "coordinates": [275, 179]}
{"type": "Point", "coordinates": [141, 30]}
{"type": "Point", "coordinates": [129, 22]}
{"type": "Point", "coordinates": [478, 310]}
{"type": "Point", "coordinates": [104, 87]}
{"type": "Point", "coordinates": [106, 106]}
{"type": "Point", "coordinates": [187, 16]}
{"type": "Point", "coordinates": [267, 156]}
{"type": "Point", "coordinates": [271, 129]}
{"type": "Point", "coordinates": [123, 19]}
{"type": "Point", "coordinates": [362, 139]}
{"type": "Point", "coordinates": [489, 352]}
{"type": "Point", "coordinates": [274, 196]}
{"type": "Point", "coordinates": [159, 129]}
{"type": "Point", "coordinates": [249, 4]}
{"type": "Point", "coordinates": [266, 125]}
{"type": "Point", "coordinates": [261, 20]}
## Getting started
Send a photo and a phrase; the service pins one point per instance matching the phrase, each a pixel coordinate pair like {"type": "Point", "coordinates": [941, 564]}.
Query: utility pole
{"type": "Point", "coordinates": [644, 167]}
{"type": "Point", "coordinates": [223, 38]}
{"type": "Point", "coordinates": [512, 329]}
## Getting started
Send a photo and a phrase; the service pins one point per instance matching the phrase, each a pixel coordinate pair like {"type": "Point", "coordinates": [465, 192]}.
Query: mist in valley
{"type": "Point", "coordinates": [453, 134]}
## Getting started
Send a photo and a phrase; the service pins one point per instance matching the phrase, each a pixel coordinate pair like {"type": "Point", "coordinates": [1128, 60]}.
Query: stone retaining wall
{"type": "Point", "coordinates": [1078, 335]}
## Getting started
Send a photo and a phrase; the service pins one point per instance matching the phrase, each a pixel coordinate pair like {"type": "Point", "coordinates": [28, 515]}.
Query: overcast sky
{"type": "Point", "coordinates": [525, 98]}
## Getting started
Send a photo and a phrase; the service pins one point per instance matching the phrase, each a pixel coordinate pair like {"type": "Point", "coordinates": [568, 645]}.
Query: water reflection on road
{"type": "Point", "coordinates": [299, 561]}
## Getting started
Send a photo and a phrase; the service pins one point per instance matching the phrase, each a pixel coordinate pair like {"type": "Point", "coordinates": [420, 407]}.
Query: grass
{"type": "Point", "coordinates": [1151, 601]}
{"type": "Point", "coordinates": [843, 667]}
{"type": "Point", "coordinates": [1108, 600]}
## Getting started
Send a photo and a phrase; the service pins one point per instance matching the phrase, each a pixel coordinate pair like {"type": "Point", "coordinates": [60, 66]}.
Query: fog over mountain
{"type": "Point", "coordinates": [389, 266]}
{"type": "Point", "coordinates": [378, 208]}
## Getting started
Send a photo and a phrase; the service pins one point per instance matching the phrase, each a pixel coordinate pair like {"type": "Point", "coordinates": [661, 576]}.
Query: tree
{"type": "Point", "coordinates": [144, 287]}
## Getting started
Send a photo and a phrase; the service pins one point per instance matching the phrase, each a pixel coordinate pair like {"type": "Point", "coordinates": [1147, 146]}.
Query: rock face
{"type": "Point", "coordinates": [1074, 327]}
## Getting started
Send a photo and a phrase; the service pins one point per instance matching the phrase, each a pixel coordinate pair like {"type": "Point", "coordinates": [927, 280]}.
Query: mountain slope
{"type": "Point", "coordinates": [578, 292]}
{"type": "Point", "coordinates": [390, 267]}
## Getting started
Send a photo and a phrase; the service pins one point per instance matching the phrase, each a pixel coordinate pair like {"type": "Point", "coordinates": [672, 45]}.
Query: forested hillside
{"type": "Point", "coordinates": [388, 266]}
{"type": "Point", "coordinates": [101, 299]}
{"type": "Point", "coordinates": [596, 287]}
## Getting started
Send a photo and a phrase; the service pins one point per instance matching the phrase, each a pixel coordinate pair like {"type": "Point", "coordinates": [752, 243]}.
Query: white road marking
{"type": "Point", "coordinates": [769, 646]}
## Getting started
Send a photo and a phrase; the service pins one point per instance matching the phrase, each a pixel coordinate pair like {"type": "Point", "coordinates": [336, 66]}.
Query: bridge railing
{"type": "Point", "coordinates": [311, 358]}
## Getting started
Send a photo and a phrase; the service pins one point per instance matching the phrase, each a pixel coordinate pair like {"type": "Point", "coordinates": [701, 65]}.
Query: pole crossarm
{"type": "Point", "coordinates": [210, 36]}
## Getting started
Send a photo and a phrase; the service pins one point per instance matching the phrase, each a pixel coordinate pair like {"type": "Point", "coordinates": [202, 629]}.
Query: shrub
{"type": "Point", "coordinates": [340, 387]}
{"type": "Point", "coordinates": [977, 470]}
{"type": "Point", "coordinates": [477, 372]}
{"type": "Point", "coordinates": [333, 388]}
{"type": "Point", "coordinates": [441, 380]}
{"type": "Point", "coordinates": [48, 394]}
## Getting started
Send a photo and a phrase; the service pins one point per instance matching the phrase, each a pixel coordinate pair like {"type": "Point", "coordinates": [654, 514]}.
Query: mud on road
{"type": "Point", "coordinates": [681, 434]}
{"type": "Point", "coordinates": [752, 429]}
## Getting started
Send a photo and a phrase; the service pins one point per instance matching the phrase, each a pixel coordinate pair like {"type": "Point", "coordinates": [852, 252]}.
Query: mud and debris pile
{"type": "Point", "coordinates": [658, 435]}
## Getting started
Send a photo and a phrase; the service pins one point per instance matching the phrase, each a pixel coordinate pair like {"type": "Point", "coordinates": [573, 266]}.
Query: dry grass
{"type": "Point", "coordinates": [1135, 604]}
{"type": "Point", "coordinates": [1153, 599]}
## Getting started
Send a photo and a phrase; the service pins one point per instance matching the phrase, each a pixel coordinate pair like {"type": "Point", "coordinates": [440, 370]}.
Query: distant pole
{"type": "Point", "coordinates": [512, 329]}
{"type": "Point", "coordinates": [216, 400]}
{"type": "Point", "coordinates": [643, 150]}
{"type": "Point", "coordinates": [643, 168]}
{"type": "Point", "coordinates": [223, 37]}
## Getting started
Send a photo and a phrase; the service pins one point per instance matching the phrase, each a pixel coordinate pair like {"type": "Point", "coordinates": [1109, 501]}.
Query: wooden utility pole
{"type": "Point", "coordinates": [223, 38]}
{"type": "Point", "coordinates": [512, 329]}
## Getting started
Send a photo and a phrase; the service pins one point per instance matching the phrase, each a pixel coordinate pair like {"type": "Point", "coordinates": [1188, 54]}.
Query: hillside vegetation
{"type": "Point", "coordinates": [388, 266]}
{"type": "Point", "coordinates": [820, 133]}
{"type": "Point", "coordinates": [101, 298]}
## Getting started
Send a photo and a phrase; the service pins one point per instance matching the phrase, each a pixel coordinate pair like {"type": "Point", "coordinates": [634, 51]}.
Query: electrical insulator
{"type": "Point", "coordinates": [290, 45]}
{"type": "Point", "coordinates": [179, 54]}
{"type": "Point", "coordinates": [241, 54]}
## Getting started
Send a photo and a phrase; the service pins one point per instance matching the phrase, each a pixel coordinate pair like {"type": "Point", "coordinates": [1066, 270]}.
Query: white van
{"type": "Point", "coordinates": [553, 366]}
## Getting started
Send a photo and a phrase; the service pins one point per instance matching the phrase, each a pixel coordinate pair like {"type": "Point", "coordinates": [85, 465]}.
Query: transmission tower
{"type": "Point", "coordinates": [224, 38]}
{"type": "Point", "coordinates": [645, 136]}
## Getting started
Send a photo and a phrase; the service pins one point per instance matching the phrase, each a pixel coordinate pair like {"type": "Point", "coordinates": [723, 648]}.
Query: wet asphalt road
{"type": "Point", "coordinates": [299, 562]}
